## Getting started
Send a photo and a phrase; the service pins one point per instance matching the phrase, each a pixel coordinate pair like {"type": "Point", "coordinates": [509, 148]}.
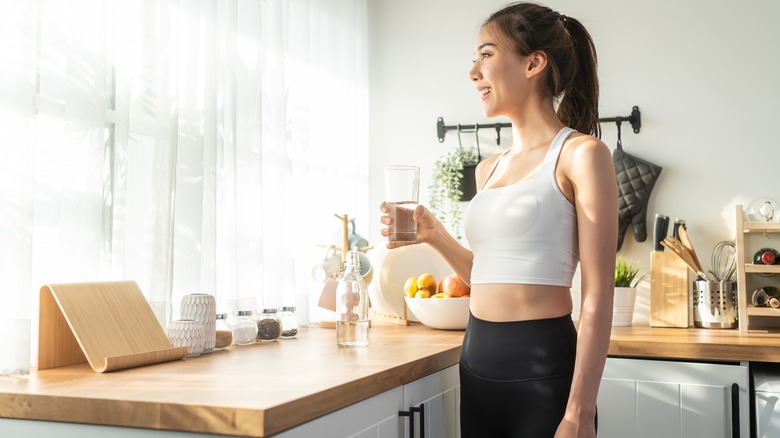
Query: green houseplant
{"type": "Point", "coordinates": [447, 188]}
{"type": "Point", "coordinates": [626, 272]}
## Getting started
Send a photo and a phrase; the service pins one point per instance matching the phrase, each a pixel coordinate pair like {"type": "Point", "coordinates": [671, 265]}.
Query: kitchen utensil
{"type": "Point", "coordinates": [678, 223]}
{"type": "Point", "coordinates": [686, 241]}
{"type": "Point", "coordinates": [660, 229]}
{"type": "Point", "coordinates": [724, 261]}
{"type": "Point", "coordinates": [681, 251]}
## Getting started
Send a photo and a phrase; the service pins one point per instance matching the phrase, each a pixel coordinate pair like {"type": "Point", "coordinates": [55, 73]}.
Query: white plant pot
{"type": "Point", "coordinates": [623, 307]}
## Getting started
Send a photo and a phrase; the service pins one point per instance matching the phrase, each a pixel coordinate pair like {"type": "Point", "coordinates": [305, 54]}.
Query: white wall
{"type": "Point", "coordinates": [704, 75]}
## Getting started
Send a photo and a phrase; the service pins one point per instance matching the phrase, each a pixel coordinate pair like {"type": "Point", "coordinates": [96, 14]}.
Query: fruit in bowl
{"type": "Point", "coordinates": [440, 313]}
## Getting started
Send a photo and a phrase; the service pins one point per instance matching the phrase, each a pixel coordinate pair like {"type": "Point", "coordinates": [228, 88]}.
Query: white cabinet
{"type": "Point", "coordinates": [655, 398]}
{"type": "Point", "coordinates": [378, 417]}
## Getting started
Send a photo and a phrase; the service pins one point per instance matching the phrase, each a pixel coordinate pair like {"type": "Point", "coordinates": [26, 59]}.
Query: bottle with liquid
{"type": "Point", "coordinates": [766, 256]}
{"type": "Point", "coordinates": [351, 305]}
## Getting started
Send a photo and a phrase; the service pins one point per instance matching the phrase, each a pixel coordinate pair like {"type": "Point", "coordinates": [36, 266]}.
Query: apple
{"type": "Point", "coordinates": [453, 286]}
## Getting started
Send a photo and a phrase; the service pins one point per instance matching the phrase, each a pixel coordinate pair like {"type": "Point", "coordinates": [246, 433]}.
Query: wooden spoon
{"type": "Point", "coordinates": [681, 251]}
{"type": "Point", "coordinates": [686, 241]}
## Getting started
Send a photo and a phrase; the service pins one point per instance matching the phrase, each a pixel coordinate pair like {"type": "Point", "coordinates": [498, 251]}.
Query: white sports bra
{"type": "Point", "coordinates": [525, 232]}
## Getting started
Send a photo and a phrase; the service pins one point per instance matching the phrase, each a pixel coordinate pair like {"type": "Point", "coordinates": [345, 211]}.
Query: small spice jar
{"type": "Point", "coordinates": [243, 327]}
{"type": "Point", "coordinates": [223, 335]}
{"type": "Point", "coordinates": [268, 326]}
{"type": "Point", "coordinates": [289, 321]}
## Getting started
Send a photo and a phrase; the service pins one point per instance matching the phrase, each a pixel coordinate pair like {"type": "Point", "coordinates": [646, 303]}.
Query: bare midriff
{"type": "Point", "coordinates": [501, 302]}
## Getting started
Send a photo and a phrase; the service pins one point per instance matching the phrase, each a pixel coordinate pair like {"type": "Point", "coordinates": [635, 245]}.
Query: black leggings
{"type": "Point", "coordinates": [515, 377]}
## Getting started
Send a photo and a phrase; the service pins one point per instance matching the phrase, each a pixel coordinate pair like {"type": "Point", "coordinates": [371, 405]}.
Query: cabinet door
{"type": "Point", "coordinates": [376, 417]}
{"type": "Point", "coordinates": [651, 398]}
{"type": "Point", "coordinates": [440, 395]}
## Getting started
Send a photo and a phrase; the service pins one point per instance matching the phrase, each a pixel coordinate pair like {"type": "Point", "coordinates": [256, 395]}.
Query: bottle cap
{"type": "Point", "coordinates": [222, 316]}
{"type": "Point", "coordinates": [269, 310]}
{"type": "Point", "coordinates": [288, 309]}
{"type": "Point", "coordinates": [242, 312]}
{"type": "Point", "coordinates": [768, 257]}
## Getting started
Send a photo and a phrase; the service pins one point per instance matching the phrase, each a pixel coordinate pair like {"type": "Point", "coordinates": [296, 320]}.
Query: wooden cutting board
{"type": "Point", "coordinates": [108, 324]}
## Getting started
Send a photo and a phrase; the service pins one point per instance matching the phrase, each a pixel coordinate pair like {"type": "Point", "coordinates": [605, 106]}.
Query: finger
{"type": "Point", "coordinates": [386, 220]}
{"type": "Point", "coordinates": [383, 207]}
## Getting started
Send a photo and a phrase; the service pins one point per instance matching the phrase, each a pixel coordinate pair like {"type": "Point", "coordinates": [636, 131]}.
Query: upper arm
{"type": "Point", "coordinates": [592, 176]}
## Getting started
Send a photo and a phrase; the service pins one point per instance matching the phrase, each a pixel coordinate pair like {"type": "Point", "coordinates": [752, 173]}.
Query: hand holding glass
{"type": "Point", "coordinates": [402, 190]}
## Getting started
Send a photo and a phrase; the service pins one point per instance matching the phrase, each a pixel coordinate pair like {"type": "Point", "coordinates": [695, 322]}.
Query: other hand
{"type": "Point", "coordinates": [427, 226]}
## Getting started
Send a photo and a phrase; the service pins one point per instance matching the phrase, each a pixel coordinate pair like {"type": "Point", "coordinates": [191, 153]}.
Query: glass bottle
{"type": "Point", "coordinates": [268, 326]}
{"type": "Point", "coordinates": [766, 256]}
{"type": "Point", "coordinates": [223, 335]}
{"type": "Point", "coordinates": [289, 321]}
{"type": "Point", "coordinates": [243, 327]}
{"type": "Point", "coordinates": [351, 305]}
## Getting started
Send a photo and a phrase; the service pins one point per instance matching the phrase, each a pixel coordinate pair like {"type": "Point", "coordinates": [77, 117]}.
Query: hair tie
{"type": "Point", "coordinates": [565, 20]}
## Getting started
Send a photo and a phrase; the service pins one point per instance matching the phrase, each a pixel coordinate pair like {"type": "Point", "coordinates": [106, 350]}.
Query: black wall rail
{"type": "Point", "coordinates": [635, 119]}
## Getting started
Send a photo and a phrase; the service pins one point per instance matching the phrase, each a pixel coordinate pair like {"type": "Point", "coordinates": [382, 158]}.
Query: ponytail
{"type": "Point", "coordinates": [579, 107]}
{"type": "Point", "coordinates": [571, 76]}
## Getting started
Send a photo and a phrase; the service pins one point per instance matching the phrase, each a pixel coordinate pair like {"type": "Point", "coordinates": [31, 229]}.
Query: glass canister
{"type": "Point", "coordinates": [289, 321]}
{"type": "Point", "coordinates": [268, 326]}
{"type": "Point", "coordinates": [243, 327]}
{"type": "Point", "coordinates": [223, 336]}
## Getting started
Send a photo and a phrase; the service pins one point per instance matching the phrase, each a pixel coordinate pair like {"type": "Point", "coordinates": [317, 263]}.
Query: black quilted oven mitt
{"type": "Point", "coordinates": [636, 178]}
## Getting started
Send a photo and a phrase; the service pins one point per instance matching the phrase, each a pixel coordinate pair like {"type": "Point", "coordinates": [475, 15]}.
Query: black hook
{"type": "Point", "coordinates": [460, 143]}
{"type": "Point", "coordinates": [498, 135]}
{"type": "Point", "coordinates": [618, 121]}
{"type": "Point", "coordinates": [476, 134]}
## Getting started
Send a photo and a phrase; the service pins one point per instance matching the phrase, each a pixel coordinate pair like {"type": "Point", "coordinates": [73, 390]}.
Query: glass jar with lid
{"type": "Point", "coordinates": [289, 321]}
{"type": "Point", "coordinates": [223, 335]}
{"type": "Point", "coordinates": [243, 327]}
{"type": "Point", "coordinates": [268, 325]}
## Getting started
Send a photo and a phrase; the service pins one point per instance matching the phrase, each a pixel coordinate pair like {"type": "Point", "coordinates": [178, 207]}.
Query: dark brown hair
{"type": "Point", "coordinates": [571, 59]}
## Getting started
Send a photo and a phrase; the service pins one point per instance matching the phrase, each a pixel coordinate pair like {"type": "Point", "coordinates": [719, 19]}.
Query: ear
{"type": "Point", "coordinates": [537, 62]}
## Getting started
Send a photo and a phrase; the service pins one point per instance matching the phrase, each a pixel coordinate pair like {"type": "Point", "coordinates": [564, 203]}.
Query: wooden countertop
{"type": "Point", "coordinates": [263, 389]}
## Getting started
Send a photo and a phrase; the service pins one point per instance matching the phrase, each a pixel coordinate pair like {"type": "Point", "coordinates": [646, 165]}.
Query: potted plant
{"type": "Point", "coordinates": [453, 182]}
{"type": "Point", "coordinates": [626, 272]}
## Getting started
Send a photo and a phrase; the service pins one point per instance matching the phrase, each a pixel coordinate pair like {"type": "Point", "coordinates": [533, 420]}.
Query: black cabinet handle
{"type": "Point", "coordinates": [421, 410]}
{"type": "Point", "coordinates": [409, 414]}
{"type": "Point", "coordinates": [735, 410]}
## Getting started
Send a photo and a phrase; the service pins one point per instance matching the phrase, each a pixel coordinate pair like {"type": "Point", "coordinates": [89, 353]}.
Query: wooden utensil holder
{"type": "Point", "coordinates": [669, 298]}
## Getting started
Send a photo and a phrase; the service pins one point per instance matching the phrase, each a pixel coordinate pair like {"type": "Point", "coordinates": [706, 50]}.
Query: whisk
{"type": "Point", "coordinates": [724, 261]}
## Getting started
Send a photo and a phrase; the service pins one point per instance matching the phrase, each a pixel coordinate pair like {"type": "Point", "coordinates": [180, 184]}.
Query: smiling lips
{"type": "Point", "coordinates": [483, 92]}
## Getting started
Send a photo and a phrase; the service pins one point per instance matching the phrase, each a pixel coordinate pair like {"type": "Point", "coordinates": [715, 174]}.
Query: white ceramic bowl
{"type": "Point", "coordinates": [391, 269]}
{"type": "Point", "coordinates": [440, 313]}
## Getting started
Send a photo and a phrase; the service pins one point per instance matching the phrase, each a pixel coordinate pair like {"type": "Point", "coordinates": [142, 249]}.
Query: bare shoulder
{"type": "Point", "coordinates": [584, 153]}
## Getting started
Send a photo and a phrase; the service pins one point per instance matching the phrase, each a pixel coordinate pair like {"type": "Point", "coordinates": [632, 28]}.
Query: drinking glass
{"type": "Point", "coordinates": [402, 190]}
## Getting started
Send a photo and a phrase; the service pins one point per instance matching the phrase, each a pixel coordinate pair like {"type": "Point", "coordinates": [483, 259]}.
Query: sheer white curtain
{"type": "Point", "coordinates": [191, 146]}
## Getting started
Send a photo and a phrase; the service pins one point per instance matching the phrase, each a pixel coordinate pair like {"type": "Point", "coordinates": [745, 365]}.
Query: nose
{"type": "Point", "coordinates": [474, 73]}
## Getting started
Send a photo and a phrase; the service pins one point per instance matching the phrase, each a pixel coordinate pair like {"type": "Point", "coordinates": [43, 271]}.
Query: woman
{"type": "Point", "coordinates": [547, 203]}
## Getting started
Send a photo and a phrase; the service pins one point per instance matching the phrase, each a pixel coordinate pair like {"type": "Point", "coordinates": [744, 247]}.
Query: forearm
{"type": "Point", "coordinates": [595, 325]}
{"type": "Point", "coordinates": [456, 255]}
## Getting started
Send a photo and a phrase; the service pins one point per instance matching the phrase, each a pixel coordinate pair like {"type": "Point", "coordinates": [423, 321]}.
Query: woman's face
{"type": "Point", "coordinates": [499, 74]}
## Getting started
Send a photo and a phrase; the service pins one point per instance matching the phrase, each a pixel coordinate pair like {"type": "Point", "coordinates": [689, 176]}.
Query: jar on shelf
{"type": "Point", "coordinates": [289, 321]}
{"type": "Point", "coordinates": [243, 327]}
{"type": "Point", "coordinates": [223, 336]}
{"type": "Point", "coordinates": [268, 326]}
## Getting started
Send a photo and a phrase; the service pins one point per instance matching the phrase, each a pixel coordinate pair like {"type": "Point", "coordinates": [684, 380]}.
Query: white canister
{"type": "Point", "coordinates": [186, 333]}
{"type": "Point", "coordinates": [202, 308]}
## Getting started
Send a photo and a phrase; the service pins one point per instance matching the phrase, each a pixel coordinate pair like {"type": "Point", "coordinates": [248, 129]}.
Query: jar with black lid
{"type": "Point", "coordinates": [268, 326]}
{"type": "Point", "coordinates": [289, 321]}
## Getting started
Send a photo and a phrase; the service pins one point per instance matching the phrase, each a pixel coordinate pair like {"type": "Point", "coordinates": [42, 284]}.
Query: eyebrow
{"type": "Point", "coordinates": [483, 45]}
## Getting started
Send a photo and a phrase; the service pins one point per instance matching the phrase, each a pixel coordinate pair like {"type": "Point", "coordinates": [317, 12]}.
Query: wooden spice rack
{"type": "Point", "coordinates": [108, 324]}
{"type": "Point", "coordinates": [749, 278]}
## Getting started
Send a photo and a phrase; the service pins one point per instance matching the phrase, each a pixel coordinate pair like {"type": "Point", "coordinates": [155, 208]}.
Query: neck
{"type": "Point", "coordinates": [534, 126]}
